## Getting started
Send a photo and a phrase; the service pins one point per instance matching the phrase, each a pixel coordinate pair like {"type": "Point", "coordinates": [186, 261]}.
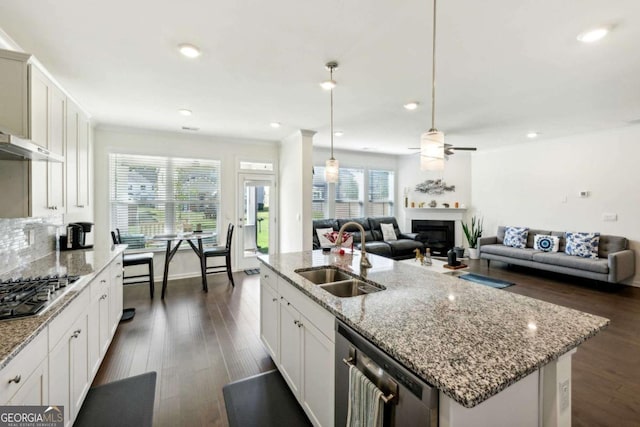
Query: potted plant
{"type": "Point", "coordinates": [472, 234]}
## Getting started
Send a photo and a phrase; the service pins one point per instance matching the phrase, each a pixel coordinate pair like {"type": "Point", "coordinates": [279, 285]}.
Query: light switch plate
{"type": "Point", "coordinates": [609, 217]}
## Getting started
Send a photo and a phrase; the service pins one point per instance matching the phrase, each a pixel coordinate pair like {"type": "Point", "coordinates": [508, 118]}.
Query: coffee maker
{"type": "Point", "coordinates": [76, 236]}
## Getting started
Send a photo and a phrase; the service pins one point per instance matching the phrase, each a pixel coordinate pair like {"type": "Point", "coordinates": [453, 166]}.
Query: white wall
{"type": "Point", "coordinates": [133, 141]}
{"type": "Point", "coordinates": [527, 185]}
{"type": "Point", "coordinates": [295, 191]}
{"type": "Point", "coordinates": [457, 171]}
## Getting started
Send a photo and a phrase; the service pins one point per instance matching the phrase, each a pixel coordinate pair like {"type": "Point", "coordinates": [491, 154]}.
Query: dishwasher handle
{"type": "Point", "coordinates": [389, 398]}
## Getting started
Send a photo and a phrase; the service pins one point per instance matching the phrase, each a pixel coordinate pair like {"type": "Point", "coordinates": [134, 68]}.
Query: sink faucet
{"type": "Point", "coordinates": [364, 261]}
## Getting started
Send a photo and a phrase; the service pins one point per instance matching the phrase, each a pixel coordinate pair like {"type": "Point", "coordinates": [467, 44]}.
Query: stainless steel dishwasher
{"type": "Point", "coordinates": [409, 401]}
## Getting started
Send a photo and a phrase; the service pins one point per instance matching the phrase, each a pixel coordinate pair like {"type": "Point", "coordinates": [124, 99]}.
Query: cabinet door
{"type": "Point", "coordinates": [79, 344]}
{"type": "Point", "coordinates": [115, 296]}
{"type": "Point", "coordinates": [35, 390]}
{"type": "Point", "coordinates": [269, 320]}
{"type": "Point", "coordinates": [39, 106]}
{"type": "Point", "coordinates": [83, 161]}
{"type": "Point", "coordinates": [317, 374]}
{"type": "Point", "coordinates": [14, 119]}
{"type": "Point", "coordinates": [59, 376]}
{"type": "Point", "coordinates": [290, 346]}
{"type": "Point", "coordinates": [94, 336]}
{"type": "Point", "coordinates": [57, 129]}
{"type": "Point", "coordinates": [71, 159]}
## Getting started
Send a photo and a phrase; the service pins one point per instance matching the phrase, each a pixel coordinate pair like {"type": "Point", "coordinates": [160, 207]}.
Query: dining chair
{"type": "Point", "coordinates": [145, 258]}
{"type": "Point", "coordinates": [221, 251]}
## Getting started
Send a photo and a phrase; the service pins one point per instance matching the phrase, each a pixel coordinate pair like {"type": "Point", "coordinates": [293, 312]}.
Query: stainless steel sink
{"type": "Point", "coordinates": [350, 288]}
{"type": "Point", "coordinates": [323, 275]}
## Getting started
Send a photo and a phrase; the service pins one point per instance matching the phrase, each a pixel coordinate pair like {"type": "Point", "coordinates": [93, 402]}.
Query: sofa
{"type": "Point", "coordinates": [615, 262]}
{"type": "Point", "coordinates": [402, 248]}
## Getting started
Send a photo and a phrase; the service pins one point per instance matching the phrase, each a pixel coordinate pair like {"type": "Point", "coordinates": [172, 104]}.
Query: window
{"type": "Point", "coordinates": [381, 185]}
{"type": "Point", "coordinates": [349, 193]}
{"type": "Point", "coordinates": [158, 195]}
{"type": "Point", "coordinates": [319, 206]}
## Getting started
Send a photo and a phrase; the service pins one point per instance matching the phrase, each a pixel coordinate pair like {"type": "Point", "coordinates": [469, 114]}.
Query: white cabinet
{"type": "Point", "coordinates": [24, 379]}
{"type": "Point", "coordinates": [115, 296]}
{"type": "Point", "coordinates": [78, 137]}
{"type": "Point", "coordinates": [269, 313]}
{"type": "Point", "coordinates": [301, 335]}
{"type": "Point", "coordinates": [14, 93]}
{"type": "Point", "coordinates": [47, 108]}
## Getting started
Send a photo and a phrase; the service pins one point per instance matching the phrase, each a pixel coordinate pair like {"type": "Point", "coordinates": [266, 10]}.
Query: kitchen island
{"type": "Point", "coordinates": [491, 354]}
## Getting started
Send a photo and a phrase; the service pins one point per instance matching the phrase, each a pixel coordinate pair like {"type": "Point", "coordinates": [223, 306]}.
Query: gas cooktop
{"type": "Point", "coordinates": [30, 296]}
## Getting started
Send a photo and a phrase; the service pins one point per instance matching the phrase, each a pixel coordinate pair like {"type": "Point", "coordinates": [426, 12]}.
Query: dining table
{"type": "Point", "coordinates": [171, 251]}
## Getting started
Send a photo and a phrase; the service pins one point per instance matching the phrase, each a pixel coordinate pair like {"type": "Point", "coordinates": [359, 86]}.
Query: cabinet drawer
{"type": "Point", "coordinates": [269, 277]}
{"type": "Point", "coordinates": [22, 366]}
{"type": "Point", "coordinates": [319, 316]}
{"type": "Point", "coordinates": [59, 326]}
{"type": "Point", "coordinates": [99, 286]}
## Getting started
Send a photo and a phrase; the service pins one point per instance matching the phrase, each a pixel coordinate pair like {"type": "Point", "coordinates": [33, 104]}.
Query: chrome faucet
{"type": "Point", "coordinates": [364, 261]}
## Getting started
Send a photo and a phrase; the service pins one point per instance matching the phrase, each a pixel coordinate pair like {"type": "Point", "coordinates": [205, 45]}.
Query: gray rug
{"type": "Point", "coordinates": [123, 403]}
{"type": "Point", "coordinates": [251, 271]}
{"type": "Point", "coordinates": [487, 281]}
{"type": "Point", "coordinates": [263, 400]}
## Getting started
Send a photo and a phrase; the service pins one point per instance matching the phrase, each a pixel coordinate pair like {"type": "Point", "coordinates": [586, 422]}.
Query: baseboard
{"type": "Point", "coordinates": [179, 276]}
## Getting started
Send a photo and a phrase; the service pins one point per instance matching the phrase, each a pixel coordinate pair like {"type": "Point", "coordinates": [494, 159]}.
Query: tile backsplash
{"type": "Point", "coordinates": [23, 240]}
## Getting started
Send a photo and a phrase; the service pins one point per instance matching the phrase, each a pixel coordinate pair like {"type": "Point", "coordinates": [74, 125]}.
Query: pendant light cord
{"type": "Point", "coordinates": [331, 121]}
{"type": "Point", "coordinates": [433, 74]}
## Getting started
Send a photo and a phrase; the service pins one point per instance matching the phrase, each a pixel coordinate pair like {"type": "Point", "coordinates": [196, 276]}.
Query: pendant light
{"type": "Point", "coordinates": [332, 166]}
{"type": "Point", "coordinates": [432, 141]}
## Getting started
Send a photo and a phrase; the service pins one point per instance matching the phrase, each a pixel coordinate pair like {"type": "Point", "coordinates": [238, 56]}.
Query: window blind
{"type": "Point", "coordinates": [349, 193]}
{"type": "Point", "coordinates": [161, 195]}
{"type": "Point", "coordinates": [319, 208]}
{"type": "Point", "coordinates": [381, 194]}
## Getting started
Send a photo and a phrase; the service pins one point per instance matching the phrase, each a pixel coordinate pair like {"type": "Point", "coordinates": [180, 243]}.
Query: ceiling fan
{"type": "Point", "coordinates": [449, 149]}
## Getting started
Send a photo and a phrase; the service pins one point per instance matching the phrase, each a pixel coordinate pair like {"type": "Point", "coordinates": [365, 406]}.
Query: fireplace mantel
{"type": "Point", "coordinates": [442, 214]}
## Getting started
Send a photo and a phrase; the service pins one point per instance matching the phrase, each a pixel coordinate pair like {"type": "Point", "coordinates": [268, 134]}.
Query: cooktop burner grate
{"type": "Point", "coordinates": [29, 296]}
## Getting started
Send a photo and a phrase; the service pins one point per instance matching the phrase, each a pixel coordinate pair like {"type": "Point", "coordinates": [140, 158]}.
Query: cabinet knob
{"type": "Point", "coordinates": [15, 379]}
{"type": "Point", "coordinates": [76, 333]}
{"type": "Point", "coordinates": [266, 276]}
{"type": "Point", "coordinates": [103, 296]}
{"type": "Point", "coordinates": [275, 299]}
{"type": "Point", "coordinates": [295, 322]}
{"type": "Point", "coordinates": [288, 303]}
{"type": "Point", "coordinates": [299, 324]}
{"type": "Point", "coordinates": [118, 276]}
{"type": "Point", "coordinates": [80, 206]}
{"type": "Point", "coordinates": [103, 281]}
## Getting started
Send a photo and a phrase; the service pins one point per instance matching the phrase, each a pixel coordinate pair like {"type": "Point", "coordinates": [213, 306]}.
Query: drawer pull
{"type": "Point", "coordinates": [275, 299]}
{"type": "Point", "coordinates": [266, 276]}
{"type": "Point", "coordinates": [295, 322]}
{"type": "Point", "coordinates": [76, 333]}
{"type": "Point", "coordinates": [103, 281]}
{"type": "Point", "coordinates": [118, 276]}
{"type": "Point", "coordinates": [15, 379]}
{"type": "Point", "coordinates": [103, 296]}
{"type": "Point", "coordinates": [300, 325]}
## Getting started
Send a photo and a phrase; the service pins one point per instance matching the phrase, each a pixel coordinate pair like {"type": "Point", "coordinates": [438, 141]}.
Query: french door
{"type": "Point", "coordinates": [256, 226]}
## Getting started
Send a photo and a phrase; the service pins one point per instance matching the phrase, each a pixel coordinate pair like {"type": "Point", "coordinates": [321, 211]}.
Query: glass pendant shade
{"type": "Point", "coordinates": [432, 151]}
{"type": "Point", "coordinates": [331, 171]}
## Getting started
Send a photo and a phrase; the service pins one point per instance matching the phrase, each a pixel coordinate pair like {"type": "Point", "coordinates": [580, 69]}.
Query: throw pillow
{"type": "Point", "coordinates": [347, 238]}
{"type": "Point", "coordinates": [516, 237]}
{"type": "Point", "coordinates": [542, 242]}
{"type": "Point", "coordinates": [584, 245]}
{"type": "Point", "coordinates": [388, 233]}
{"type": "Point", "coordinates": [324, 242]}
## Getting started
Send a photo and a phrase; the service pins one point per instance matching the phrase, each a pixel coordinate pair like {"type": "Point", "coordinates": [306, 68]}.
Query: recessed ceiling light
{"type": "Point", "coordinates": [189, 50]}
{"type": "Point", "coordinates": [275, 125]}
{"type": "Point", "coordinates": [338, 133]}
{"type": "Point", "coordinates": [532, 135]}
{"type": "Point", "coordinates": [185, 112]}
{"type": "Point", "coordinates": [411, 106]}
{"type": "Point", "coordinates": [593, 35]}
{"type": "Point", "coordinates": [192, 129]}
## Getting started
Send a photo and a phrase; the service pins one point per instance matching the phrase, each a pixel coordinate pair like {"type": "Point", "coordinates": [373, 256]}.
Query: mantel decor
{"type": "Point", "coordinates": [434, 186]}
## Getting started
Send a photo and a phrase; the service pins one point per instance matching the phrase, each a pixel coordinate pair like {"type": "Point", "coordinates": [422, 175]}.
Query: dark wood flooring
{"type": "Point", "coordinates": [199, 342]}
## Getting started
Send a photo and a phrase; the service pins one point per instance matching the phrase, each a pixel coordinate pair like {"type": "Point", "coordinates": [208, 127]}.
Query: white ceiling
{"type": "Point", "coordinates": [504, 67]}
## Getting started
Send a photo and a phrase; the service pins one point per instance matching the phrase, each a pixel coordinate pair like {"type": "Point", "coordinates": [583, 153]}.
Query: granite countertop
{"type": "Point", "coordinates": [87, 263]}
{"type": "Point", "coordinates": [468, 340]}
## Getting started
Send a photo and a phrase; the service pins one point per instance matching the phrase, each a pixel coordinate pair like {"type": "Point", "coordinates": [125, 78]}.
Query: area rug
{"type": "Point", "coordinates": [251, 271]}
{"type": "Point", "coordinates": [262, 400]}
{"type": "Point", "coordinates": [127, 403]}
{"type": "Point", "coordinates": [487, 281]}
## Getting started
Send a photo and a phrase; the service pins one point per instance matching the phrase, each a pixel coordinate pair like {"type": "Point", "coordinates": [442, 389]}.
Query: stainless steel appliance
{"type": "Point", "coordinates": [76, 236]}
{"type": "Point", "coordinates": [30, 296]}
{"type": "Point", "coordinates": [409, 401]}
{"type": "Point", "coordinates": [15, 148]}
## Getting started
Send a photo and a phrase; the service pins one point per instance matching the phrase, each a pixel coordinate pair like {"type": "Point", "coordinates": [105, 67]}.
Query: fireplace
{"type": "Point", "coordinates": [439, 236]}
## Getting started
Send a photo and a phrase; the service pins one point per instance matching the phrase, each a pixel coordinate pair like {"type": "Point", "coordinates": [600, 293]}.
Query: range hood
{"type": "Point", "coordinates": [14, 148]}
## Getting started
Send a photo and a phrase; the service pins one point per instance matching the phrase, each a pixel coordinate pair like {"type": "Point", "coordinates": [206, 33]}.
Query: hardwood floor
{"type": "Point", "coordinates": [199, 342]}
